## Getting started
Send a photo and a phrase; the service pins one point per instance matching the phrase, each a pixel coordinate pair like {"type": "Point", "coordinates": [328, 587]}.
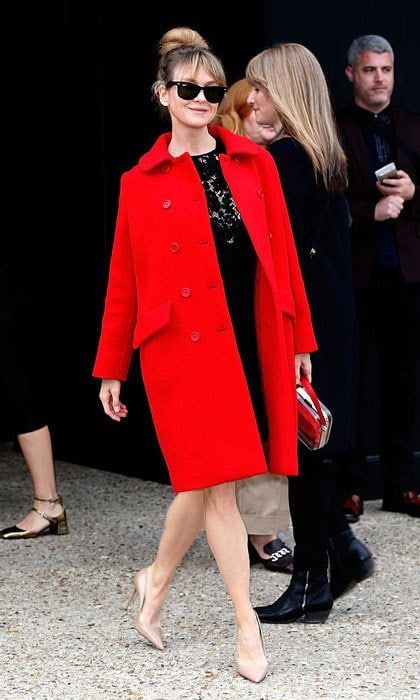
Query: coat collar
{"type": "Point", "coordinates": [234, 145]}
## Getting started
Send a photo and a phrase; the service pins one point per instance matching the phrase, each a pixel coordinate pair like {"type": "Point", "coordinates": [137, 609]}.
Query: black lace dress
{"type": "Point", "coordinates": [237, 261]}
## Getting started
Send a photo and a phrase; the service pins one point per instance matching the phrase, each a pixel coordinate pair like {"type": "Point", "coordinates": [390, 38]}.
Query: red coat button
{"type": "Point", "coordinates": [164, 168]}
{"type": "Point", "coordinates": [174, 247]}
{"type": "Point", "coordinates": [185, 292]}
{"type": "Point", "coordinates": [166, 203]}
{"type": "Point", "coordinates": [195, 336]}
{"type": "Point", "coordinates": [260, 193]}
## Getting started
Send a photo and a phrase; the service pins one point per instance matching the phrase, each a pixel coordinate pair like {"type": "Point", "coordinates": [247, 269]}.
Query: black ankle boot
{"type": "Point", "coordinates": [308, 597]}
{"type": "Point", "coordinates": [350, 562]}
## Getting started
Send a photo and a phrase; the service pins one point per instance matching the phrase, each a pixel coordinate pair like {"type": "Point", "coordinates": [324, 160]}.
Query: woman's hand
{"type": "Point", "coordinates": [303, 366]}
{"type": "Point", "coordinates": [109, 397]}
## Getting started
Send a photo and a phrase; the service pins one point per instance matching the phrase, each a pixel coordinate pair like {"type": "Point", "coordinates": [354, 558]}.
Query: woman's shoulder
{"type": "Point", "coordinates": [290, 149]}
{"type": "Point", "coordinates": [294, 165]}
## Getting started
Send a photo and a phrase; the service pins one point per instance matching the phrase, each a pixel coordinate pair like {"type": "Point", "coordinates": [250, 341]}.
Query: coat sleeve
{"type": "Point", "coordinates": [304, 337]}
{"type": "Point", "coordinates": [362, 208]}
{"type": "Point", "coordinates": [120, 310]}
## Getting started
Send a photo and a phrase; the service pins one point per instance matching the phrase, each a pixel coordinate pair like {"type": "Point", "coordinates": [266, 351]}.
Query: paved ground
{"type": "Point", "coordinates": [64, 632]}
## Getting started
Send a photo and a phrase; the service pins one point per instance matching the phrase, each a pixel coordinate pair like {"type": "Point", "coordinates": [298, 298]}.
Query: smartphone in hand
{"type": "Point", "coordinates": [387, 171]}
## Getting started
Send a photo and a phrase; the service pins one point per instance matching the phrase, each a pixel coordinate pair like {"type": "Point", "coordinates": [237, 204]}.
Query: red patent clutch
{"type": "Point", "coordinates": [314, 418]}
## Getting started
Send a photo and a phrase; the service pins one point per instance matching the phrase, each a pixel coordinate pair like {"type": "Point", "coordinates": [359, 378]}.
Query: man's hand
{"type": "Point", "coordinates": [403, 186]}
{"type": "Point", "coordinates": [388, 207]}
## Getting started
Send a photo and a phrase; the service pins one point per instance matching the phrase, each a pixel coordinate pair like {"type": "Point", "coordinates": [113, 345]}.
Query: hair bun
{"type": "Point", "coordinates": [180, 36]}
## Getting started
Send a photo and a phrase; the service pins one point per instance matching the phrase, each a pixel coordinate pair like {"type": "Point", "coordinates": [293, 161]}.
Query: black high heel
{"type": "Point", "coordinates": [57, 525]}
{"type": "Point", "coordinates": [350, 562]}
{"type": "Point", "coordinates": [308, 598]}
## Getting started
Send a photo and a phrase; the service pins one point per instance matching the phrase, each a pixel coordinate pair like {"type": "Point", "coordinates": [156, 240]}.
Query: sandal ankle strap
{"type": "Point", "coordinates": [50, 500]}
{"type": "Point", "coordinates": [51, 519]}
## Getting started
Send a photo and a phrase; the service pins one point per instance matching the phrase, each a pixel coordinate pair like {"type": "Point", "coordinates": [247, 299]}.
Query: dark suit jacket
{"type": "Point", "coordinates": [363, 195]}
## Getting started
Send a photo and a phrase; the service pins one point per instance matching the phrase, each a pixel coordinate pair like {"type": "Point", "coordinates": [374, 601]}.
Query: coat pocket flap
{"type": "Point", "coordinates": [151, 322]}
{"type": "Point", "coordinates": [287, 305]}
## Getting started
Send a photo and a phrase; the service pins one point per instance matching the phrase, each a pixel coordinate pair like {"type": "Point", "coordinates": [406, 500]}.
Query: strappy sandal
{"type": "Point", "coordinates": [57, 525]}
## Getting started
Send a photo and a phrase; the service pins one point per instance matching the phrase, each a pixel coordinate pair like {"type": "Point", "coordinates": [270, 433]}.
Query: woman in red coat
{"type": "Point", "coordinates": [204, 279]}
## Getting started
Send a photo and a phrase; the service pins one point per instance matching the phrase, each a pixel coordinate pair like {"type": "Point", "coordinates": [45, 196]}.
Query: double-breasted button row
{"type": "Point", "coordinates": [174, 247]}
{"type": "Point", "coordinates": [195, 335]}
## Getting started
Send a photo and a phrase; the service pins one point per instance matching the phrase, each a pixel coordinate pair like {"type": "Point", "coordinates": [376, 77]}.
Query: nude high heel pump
{"type": "Point", "coordinates": [152, 633]}
{"type": "Point", "coordinates": [254, 671]}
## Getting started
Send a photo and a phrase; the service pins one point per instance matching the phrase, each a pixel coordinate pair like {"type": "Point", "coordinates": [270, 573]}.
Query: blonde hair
{"type": "Point", "coordinates": [294, 81]}
{"type": "Point", "coordinates": [234, 107]}
{"type": "Point", "coordinates": [186, 47]}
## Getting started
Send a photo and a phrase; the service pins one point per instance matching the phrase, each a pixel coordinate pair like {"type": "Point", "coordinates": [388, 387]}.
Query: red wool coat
{"type": "Point", "coordinates": [165, 295]}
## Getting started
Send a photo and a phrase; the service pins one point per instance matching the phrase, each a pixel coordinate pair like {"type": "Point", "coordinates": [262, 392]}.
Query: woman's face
{"type": "Point", "coordinates": [262, 134]}
{"type": "Point", "coordinates": [264, 109]}
{"type": "Point", "coordinates": [196, 112]}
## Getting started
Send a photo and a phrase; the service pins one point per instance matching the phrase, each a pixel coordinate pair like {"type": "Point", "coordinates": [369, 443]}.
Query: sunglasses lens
{"type": "Point", "coordinates": [214, 93]}
{"type": "Point", "coordinates": [187, 91]}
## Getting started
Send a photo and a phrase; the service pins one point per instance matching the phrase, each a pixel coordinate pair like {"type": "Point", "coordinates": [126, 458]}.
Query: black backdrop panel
{"type": "Point", "coordinates": [80, 114]}
{"type": "Point", "coordinates": [327, 28]}
{"type": "Point", "coordinates": [91, 77]}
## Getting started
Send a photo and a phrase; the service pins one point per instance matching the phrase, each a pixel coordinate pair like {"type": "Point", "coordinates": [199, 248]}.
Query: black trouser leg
{"type": "Point", "coordinates": [388, 332]}
{"type": "Point", "coordinates": [397, 326]}
{"type": "Point", "coordinates": [308, 596]}
{"type": "Point", "coordinates": [337, 520]}
{"type": "Point", "coordinates": [21, 372]}
{"type": "Point", "coordinates": [310, 500]}
{"type": "Point", "coordinates": [352, 465]}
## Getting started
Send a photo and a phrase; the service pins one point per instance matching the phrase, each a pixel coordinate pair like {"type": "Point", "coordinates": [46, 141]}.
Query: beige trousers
{"type": "Point", "coordinates": [263, 503]}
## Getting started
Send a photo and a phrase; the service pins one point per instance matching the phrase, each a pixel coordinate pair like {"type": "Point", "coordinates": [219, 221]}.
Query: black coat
{"type": "Point", "coordinates": [322, 222]}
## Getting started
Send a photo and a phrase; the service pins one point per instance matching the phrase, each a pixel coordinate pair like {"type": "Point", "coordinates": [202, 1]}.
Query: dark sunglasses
{"type": "Point", "coordinates": [188, 91]}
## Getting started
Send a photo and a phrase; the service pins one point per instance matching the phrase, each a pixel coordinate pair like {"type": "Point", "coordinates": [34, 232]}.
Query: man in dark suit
{"type": "Point", "coordinates": [386, 264]}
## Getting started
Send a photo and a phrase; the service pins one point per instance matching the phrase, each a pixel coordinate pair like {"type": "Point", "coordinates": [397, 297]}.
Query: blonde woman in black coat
{"type": "Point", "coordinates": [290, 93]}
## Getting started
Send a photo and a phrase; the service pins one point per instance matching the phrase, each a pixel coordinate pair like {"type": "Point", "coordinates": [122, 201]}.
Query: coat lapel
{"type": "Point", "coordinates": [242, 178]}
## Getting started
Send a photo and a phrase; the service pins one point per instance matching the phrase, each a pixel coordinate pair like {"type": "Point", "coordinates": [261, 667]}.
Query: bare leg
{"type": "Point", "coordinates": [184, 520]}
{"type": "Point", "coordinates": [221, 516]}
{"type": "Point", "coordinates": [37, 452]}
{"type": "Point", "coordinates": [183, 523]}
